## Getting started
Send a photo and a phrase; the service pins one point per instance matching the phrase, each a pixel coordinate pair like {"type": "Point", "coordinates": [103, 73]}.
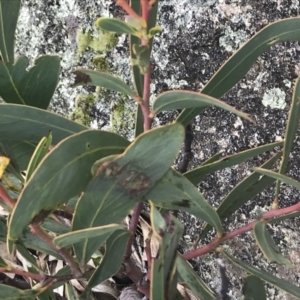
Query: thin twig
{"type": "Point", "coordinates": [37, 277]}
{"type": "Point", "coordinates": [37, 230]}
{"type": "Point", "coordinates": [6, 198]}
{"type": "Point", "coordinates": [217, 241]}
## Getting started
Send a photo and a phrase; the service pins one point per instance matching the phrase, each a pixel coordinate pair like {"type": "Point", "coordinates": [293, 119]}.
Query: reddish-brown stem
{"type": "Point", "coordinates": [132, 227]}
{"type": "Point", "coordinates": [127, 8]}
{"type": "Point", "coordinates": [6, 198]}
{"type": "Point", "coordinates": [37, 277]}
{"type": "Point", "coordinates": [217, 241]}
{"type": "Point", "coordinates": [38, 231]}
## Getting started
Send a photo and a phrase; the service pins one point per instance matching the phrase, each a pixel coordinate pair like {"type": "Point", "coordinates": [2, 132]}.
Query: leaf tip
{"type": "Point", "coordinates": [80, 78]}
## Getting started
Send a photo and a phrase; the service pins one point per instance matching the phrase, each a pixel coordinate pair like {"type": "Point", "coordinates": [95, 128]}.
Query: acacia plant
{"type": "Point", "coordinates": [77, 194]}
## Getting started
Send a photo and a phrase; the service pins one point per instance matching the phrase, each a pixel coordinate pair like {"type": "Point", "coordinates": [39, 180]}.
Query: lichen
{"type": "Point", "coordinates": [100, 41]}
{"type": "Point", "coordinates": [100, 63]}
{"type": "Point", "coordinates": [83, 108]}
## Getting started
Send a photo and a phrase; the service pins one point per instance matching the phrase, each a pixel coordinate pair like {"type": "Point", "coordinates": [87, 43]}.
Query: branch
{"type": "Point", "coordinates": [217, 241]}
{"type": "Point", "coordinates": [36, 229]}
{"type": "Point", "coordinates": [6, 198]}
{"type": "Point", "coordinates": [37, 277]}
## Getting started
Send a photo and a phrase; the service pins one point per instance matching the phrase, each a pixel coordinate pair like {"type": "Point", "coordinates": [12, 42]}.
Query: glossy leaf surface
{"type": "Point", "coordinates": [174, 191]}
{"type": "Point", "coordinates": [122, 183]}
{"type": "Point", "coordinates": [34, 87]}
{"type": "Point", "coordinates": [242, 60]}
{"type": "Point", "coordinates": [184, 99]}
{"type": "Point", "coordinates": [267, 245]}
{"type": "Point", "coordinates": [112, 260]}
{"type": "Point", "coordinates": [280, 283]}
{"type": "Point", "coordinates": [63, 174]}
{"type": "Point", "coordinates": [36, 123]}
{"type": "Point", "coordinates": [198, 174]}
{"type": "Point", "coordinates": [9, 12]}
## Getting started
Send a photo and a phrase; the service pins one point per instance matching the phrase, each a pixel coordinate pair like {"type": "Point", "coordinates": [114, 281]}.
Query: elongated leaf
{"type": "Point", "coordinates": [55, 226]}
{"type": "Point", "coordinates": [139, 122]}
{"type": "Point", "coordinates": [27, 255]}
{"type": "Point", "coordinates": [174, 191]}
{"type": "Point", "coordinates": [198, 174]}
{"type": "Point", "coordinates": [280, 177]}
{"type": "Point", "coordinates": [111, 262]}
{"type": "Point", "coordinates": [284, 217]}
{"type": "Point", "coordinates": [188, 277]}
{"type": "Point", "coordinates": [34, 87]}
{"type": "Point", "coordinates": [239, 64]}
{"type": "Point", "coordinates": [122, 183]}
{"type": "Point", "coordinates": [244, 191]}
{"type": "Point", "coordinates": [163, 270]}
{"type": "Point", "coordinates": [10, 293]}
{"type": "Point", "coordinates": [290, 132]}
{"type": "Point", "coordinates": [70, 294]}
{"type": "Point", "coordinates": [39, 153]}
{"type": "Point", "coordinates": [36, 123]}
{"type": "Point", "coordinates": [101, 232]}
{"type": "Point", "coordinates": [62, 174]}
{"type": "Point", "coordinates": [280, 283]}
{"type": "Point", "coordinates": [2, 262]}
{"type": "Point", "coordinates": [253, 289]}
{"type": "Point", "coordinates": [212, 159]}
{"type": "Point", "coordinates": [267, 245]}
{"type": "Point", "coordinates": [185, 99]}
{"type": "Point", "coordinates": [89, 77]}
{"type": "Point", "coordinates": [9, 11]}
{"type": "Point", "coordinates": [115, 25]}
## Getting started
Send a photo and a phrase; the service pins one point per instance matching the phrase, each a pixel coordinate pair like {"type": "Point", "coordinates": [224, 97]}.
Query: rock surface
{"type": "Point", "coordinates": [198, 37]}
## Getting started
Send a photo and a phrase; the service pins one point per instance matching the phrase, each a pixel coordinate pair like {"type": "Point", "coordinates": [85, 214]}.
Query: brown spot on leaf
{"type": "Point", "coordinates": [182, 203]}
{"type": "Point", "coordinates": [81, 78]}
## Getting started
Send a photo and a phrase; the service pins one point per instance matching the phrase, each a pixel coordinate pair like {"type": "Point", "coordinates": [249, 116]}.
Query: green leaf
{"type": "Point", "coordinates": [101, 232]}
{"type": "Point", "coordinates": [63, 174]}
{"type": "Point", "coordinates": [2, 262]}
{"type": "Point", "coordinates": [27, 255]}
{"type": "Point", "coordinates": [55, 226]}
{"type": "Point", "coordinates": [9, 11]}
{"type": "Point", "coordinates": [34, 87]}
{"type": "Point", "coordinates": [11, 293]}
{"type": "Point", "coordinates": [284, 217]}
{"type": "Point", "coordinates": [174, 191]}
{"type": "Point", "coordinates": [253, 289]}
{"type": "Point", "coordinates": [198, 174]}
{"type": "Point", "coordinates": [168, 230]}
{"type": "Point", "coordinates": [249, 187]}
{"type": "Point", "coordinates": [188, 276]}
{"type": "Point", "coordinates": [122, 183]}
{"type": "Point", "coordinates": [290, 132]}
{"type": "Point", "coordinates": [212, 159]}
{"type": "Point", "coordinates": [185, 99]}
{"type": "Point", "coordinates": [239, 63]}
{"type": "Point", "coordinates": [70, 293]}
{"type": "Point", "coordinates": [280, 283]}
{"type": "Point", "coordinates": [30, 241]}
{"type": "Point", "coordinates": [39, 153]}
{"type": "Point", "coordinates": [89, 77]}
{"type": "Point", "coordinates": [283, 178]}
{"type": "Point", "coordinates": [154, 30]}
{"type": "Point", "coordinates": [112, 260]}
{"type": "Point", "coordinates": [139, 122]}
{"type": "Point", "coordinates": [36, 123]}
{"type": "Point", "coordinates": [116, 25]}
{"type": "Point", "coordinates": [267, 245]}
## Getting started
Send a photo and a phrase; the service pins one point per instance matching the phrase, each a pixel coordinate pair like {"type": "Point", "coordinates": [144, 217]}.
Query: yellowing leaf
{"type": "Point", "coordinates": [4, 161]}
